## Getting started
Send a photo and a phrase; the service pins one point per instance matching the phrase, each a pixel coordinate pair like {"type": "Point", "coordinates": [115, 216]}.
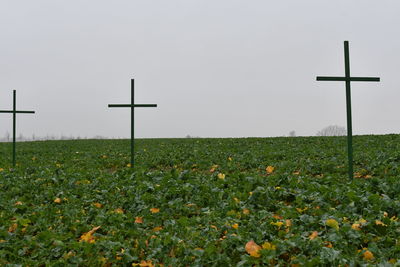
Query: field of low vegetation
{"type": "Point", "coordinates": [201, 202]}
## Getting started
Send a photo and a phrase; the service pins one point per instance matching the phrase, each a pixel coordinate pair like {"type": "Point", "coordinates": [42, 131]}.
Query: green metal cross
{"type": "Point", "coordinates": [348, 79]}
{"type": "Point", "coordinates": [14, 112]}
{"type": "Point", "coordinates": [132, 105]}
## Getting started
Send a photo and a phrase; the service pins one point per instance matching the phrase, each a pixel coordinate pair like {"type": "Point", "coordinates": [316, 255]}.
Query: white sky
{"type": "Point", "coordinates": [216, 68]}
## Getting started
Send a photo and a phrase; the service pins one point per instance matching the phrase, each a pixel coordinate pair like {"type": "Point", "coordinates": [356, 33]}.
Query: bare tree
{"type": "Point", "coordinates": [332, 130]}
{"type": "Point", "coordinates": [292, 133]}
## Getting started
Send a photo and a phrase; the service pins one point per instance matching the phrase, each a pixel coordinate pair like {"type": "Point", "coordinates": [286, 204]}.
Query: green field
{"type": "Point", "coordinates": [198, 202]}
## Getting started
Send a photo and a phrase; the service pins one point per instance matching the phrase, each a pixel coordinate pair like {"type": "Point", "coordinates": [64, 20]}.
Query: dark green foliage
{"type": "Point", "coordinates": [197, 208]}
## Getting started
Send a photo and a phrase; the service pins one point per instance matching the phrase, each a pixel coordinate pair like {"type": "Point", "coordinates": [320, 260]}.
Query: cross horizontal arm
{"type": "Point", "coordinates": [352, 79]}
{"type": "Point", "coordinates": [17, 111]}
{"type": "Point", "coordinates": [135, 105]}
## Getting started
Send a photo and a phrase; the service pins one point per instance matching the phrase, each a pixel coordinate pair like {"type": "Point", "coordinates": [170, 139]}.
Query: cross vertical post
{"type": "Point", "coordinates": [348, 108]}
{"type": "Point", "coordinates": [132, 122]}
{"type": "Point", "coordinates": [348, 79]}
{"type": "Point", "coordinates": [132, 105]}
{"type": "Point", "coordinates": [14, 124]}
{"type": "Point", "coordinates": [14, 111]}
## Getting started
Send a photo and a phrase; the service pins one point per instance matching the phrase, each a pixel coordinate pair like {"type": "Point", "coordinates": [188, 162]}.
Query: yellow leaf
{"type": "Point", "coordinates": [139, 220]}
{"type": "Point", "coordinates": [362, 221]}
{"type": "Point", "coordinates": [119, 211]}
{"type": "Point", "coordinates": [378, 222]}
{"type": "Point", "coordinates": [1, 169]}
{"type": "Point", "coordinates": [214, 227]}
{"type": "Point", "coordinates": [253, 249]}
{"type": "Point", "coordinates": [57, 200]}
{"type": "Point", "coordinates": [367, 255]}
{"type": "Point", "coordinates": [128, 165]}
{"type": "Point", "coordinates": [313, 235]}
{"type": "Point", "coordinates": [299, 210]}
{"type": "Point", "coordinates": [88, 237]}
{"type": "Point", "coordinates": [157, 228]}
{"type": "Point", "coordinates": [230, 159]}
{"type": "Point", "coordinates": [154, 210]}
{"type": "Point", "coordinates": [288, 223]}
{"type": "Point", "coordinates": [268, 246]}
{"type": "Point", "coordinates": [356, 226]}
{"type": "Point", "coordinates": [12, 228]}
{"type": "Point", "coordinates": [221, 176]}
{"type": "Point", "coordinates": [246, 211]}
{"type": "Point", "coordinates": [144, 264]}
{"type": "Point", "coordinates": [18, 203]}
{"type": "Point", "coordinates": [270, 169]}
{"type": "Point", "coordinates": [98, 205]}
{"type": "Point", "coordinates": [235, 226]}
{"type": "Point", "coordinates": [332, 223]}
{"type": "Point", "coordinates": [279, 224]}
{"type": "Point", "coordinates": [213, 168]}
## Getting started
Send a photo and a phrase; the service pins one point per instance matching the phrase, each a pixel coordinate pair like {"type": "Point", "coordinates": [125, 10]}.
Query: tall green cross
{"type": "Point", "coordinates": [132, 105]}
{"type": "Point", "coordinates": [348, 79]}
{"type": "Point", "coordinates": [14, 111]}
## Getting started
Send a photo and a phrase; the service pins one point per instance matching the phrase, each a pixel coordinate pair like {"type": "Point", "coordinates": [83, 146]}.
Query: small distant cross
{"type": "Point", "coordinates": [14, 112]}
{"type": "Point", "coordinates": [132, 105]}
{"type": "Point", "coordinates": [348, 79]}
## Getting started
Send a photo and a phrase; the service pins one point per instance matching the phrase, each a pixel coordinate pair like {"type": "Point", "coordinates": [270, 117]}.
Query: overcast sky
{"type": "Point", "coordinates": [216, 68]}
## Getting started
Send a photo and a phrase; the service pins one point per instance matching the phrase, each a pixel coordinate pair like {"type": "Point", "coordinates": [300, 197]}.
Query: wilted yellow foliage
{"type": "Point", "coordinates": [154, 210]}
{"type": "Point", "coordinates": [119, 211]}
{"type": "Point", "coordinates": [221, 176]}
{"type": "Point", "coordinates": [157, 228]}
{"type": "Point", "coordinates": [98, 205]}
{"type": "Point", "coordinates": [12, 228]}
{"type": "Point", "coordinates": [148, 263]}
{"type": "Point", "coordinates": [270, 169]}
{"type": "Point", "coordinates": [368, 255]}
{"type": "Point", "coordinates": [88, 237]}
{"type": "Point", "coordinates": [213, 168]}
{"type": "Point", "coordinates": [253, 249]}
{"type": "Point", "coordinates": [378, 222]}
{"type": "Point", "coordinates": [235, 226]}
{"type": "Point", "coordinates": [246, 211]}
{"type": "Point", "coordinates": [18, 203]}
{"type": "Point", "coordinates": [362, 221]}
{"type": "Point", "coordinates": [356, 226]}
{"type": "Point", "coordinates": [139, 220]}
{"type": "Point", "coordinates": [214, 227]}
{"type": "Point", "coordinates": [279, 224]}
{"type": "Point", "coordinates": [299, 210]}
{"type": "Point", "coordinates": [268, 246]}
{"type": "Point", "coordinates": [313, 235]}
{"type": "Point", "coordinates": [332, 223]}
{"type": "Point", "coordinates": [57, 200]}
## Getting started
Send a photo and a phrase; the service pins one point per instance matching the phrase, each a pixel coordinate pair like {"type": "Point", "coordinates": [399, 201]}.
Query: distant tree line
{"type": "Point", "coordinates": [8, 137]}
{"type": "Point", "coordinates": [332, 130]}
